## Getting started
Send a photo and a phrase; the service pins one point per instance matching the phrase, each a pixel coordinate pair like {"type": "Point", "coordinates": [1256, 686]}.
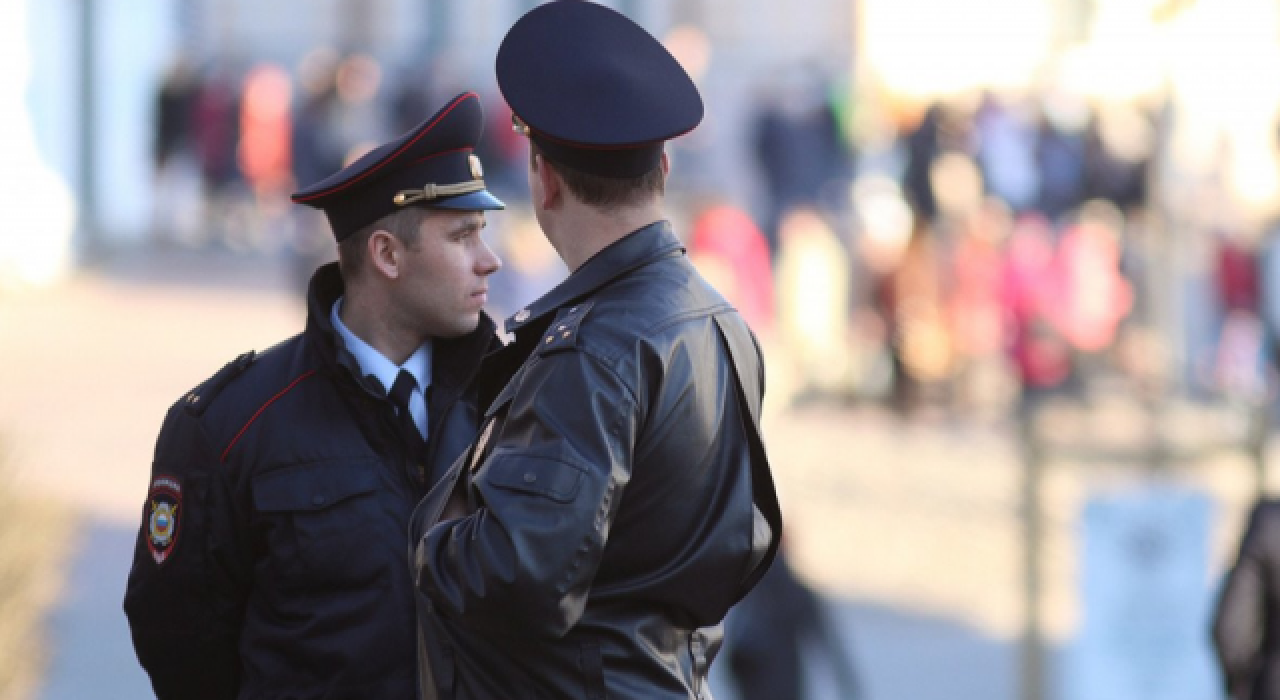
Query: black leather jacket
{"type": "Point", "coordinates": [283, 574]}
{"type": "Point", "coordinates": [612, 491]}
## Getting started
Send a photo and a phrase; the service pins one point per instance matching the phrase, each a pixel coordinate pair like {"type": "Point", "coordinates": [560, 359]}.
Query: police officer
{"type": "Point", "coordinates": [618, 499]}
{"type": "Point", "coordinates": [271, 558]}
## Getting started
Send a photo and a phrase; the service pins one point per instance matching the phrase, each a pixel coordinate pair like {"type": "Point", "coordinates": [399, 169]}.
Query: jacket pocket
{"type": "Point", "coordinates": [322, 520]}
{"type": "Point", "coordinates": [540, 475]}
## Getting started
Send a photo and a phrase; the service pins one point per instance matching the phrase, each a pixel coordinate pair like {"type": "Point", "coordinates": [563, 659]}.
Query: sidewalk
{"type": "Point", "coordinates": [912, 527]}
{"type": "Point", "coordinates": [93, 657]}
{"type": "Point", "coordinates": [89, 368]}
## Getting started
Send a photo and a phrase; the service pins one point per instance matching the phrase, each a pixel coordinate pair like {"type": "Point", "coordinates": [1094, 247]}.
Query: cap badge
{"type": "Point", "coordinates": [477, 170]}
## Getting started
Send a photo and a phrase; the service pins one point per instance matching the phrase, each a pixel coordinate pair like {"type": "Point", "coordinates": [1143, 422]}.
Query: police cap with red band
{"type": "Point", "coordinates": [593, 90]}
{"type": "Point", "coordinates": [431, 166]}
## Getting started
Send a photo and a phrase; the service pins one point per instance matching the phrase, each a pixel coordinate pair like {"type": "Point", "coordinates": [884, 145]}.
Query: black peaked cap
{"type": "Point", "coordinates": [433, 165]}
{"type": "Point", "coordinates": [597, 92]}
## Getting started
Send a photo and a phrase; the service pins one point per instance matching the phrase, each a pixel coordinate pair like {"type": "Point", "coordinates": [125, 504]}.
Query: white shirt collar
{"type": "Point", "coordinates": [375, 363]}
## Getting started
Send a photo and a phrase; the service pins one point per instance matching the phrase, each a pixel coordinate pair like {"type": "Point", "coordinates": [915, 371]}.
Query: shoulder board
{"type": "Point", "coordinates": [198, 399]}
{"type": "Point", "coordinates": [562, 334]}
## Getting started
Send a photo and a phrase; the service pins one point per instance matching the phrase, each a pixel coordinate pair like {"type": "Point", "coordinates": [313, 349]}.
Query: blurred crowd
{"type": "Point", "coordinates": [955, 255]}
{"type": "Point", "coordinates": [232, 142]}
{"type": "Point", "coordinates": [987, 249]}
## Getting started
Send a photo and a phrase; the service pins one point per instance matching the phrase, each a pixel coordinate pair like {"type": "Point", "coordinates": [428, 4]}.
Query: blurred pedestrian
{"type": "Point", "coordinates": [271, 558]}
{"type": "Point", "coordinates": [360, 120]}
{"type": "Point", "coordinates": [176, 203]}
{"type": "Point", "coordinates": [1241, 360]}
{"type": "Point", "coordinates": [316, 149]}
{"type": "Point", "coordinates": [1096, 296]}
{"type": "Point", "coordinates": [174, 103]}
{"type": "Point", "coordinates": [1060, 152]}
{"type": "Point", "coordinates": [1120, 142]}
{"type": "Point", "coordinates": [216, 129]}
{"type": "Point", "coordinates": [924, 145]}
{"type": "Point", "coordinates": [799, 147]}
{"type": "Point", "coordinates": [731, 252]}
{"type": "Point", "coordinates": [1246, 623]}
{"type": "Point", "coordinates": [618, 500]}
{"type": "Point", "coordinates": [265, 139]}
{"type": "Point", "coordinates": [813, 291]}
{"type": "Point", "coordinates": [1031, 293]}
{"type": "Point", "coordinates": [770, 635]}
{"type": "Point", "coordinates": [1006, 153]}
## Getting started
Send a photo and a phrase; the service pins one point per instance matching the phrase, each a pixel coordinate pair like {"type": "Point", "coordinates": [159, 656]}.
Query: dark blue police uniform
{"type": "Point", "coordinates": [270, 562]}
{"type": "Point", "coordinates": [620, 496]}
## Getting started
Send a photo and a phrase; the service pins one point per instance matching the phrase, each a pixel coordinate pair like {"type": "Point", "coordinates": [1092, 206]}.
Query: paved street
{"type": "Point", "coordinates": [912, 529]}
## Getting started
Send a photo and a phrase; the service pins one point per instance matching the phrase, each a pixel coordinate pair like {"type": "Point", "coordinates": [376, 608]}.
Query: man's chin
{"type": "Point", "coordinates": [462, 326]}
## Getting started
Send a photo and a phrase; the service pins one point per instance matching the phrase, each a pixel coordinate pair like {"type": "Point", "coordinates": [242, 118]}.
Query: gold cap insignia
{"type": "Point", "coordinates": [477, 170]}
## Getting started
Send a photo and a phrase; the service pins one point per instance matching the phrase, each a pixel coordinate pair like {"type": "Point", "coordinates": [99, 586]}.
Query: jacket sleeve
{"type": "Point", "coordinates": [184, 599]}
{"type": "Point", "coordinates": [546, 494]}
{"type": "Point", "coordinates": [1238, 622]}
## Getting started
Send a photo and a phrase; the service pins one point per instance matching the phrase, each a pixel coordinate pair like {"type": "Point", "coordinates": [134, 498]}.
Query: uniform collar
{"type": "Point", "coordinates": [636, 249]}
{"type": "Point", "coordinates": [453, 362]}
{"type": "Point", "coordinates": [372, 362]}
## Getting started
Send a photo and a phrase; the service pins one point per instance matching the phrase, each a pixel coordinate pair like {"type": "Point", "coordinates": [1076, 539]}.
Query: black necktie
{"type": "Point", "coordinates": [401, 391]}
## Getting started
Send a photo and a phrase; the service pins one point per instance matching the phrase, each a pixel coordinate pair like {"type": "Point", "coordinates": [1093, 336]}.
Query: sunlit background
{"type": "Point", "coordinates": [1013, 264]}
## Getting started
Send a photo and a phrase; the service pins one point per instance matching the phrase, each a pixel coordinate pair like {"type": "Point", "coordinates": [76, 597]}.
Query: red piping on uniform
{"type": "Point", "coordinates": [437, 155]}
{"type": "Point", "coordinates": [260, 410]}
{"type": "Point", "coordinates": [392, 157]}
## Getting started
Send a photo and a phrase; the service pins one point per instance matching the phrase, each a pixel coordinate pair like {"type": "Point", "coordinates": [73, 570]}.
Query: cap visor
{"type": "Point", "coordinates": [473, 201]}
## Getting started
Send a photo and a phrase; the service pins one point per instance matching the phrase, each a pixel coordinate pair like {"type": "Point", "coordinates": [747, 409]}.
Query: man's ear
{"type": "Point", "coordinates": [385, 253]}
{"type": "Point", "coordinates": [666, 164]}
{"type": "Point", "coordinates": [549, 179]}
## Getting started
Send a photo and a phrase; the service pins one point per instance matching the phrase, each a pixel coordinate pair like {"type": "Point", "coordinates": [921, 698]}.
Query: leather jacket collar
{"type": "Point", "coordinates": [636, 249]}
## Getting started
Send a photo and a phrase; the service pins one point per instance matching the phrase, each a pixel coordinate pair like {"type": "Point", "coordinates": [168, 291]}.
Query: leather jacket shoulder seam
{"type": "Point", "coordinates": [661, 325]}
{"type": "Point", "coordinates": [669, 321]}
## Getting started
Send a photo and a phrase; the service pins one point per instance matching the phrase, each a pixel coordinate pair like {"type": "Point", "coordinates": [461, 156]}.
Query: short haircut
{"type": "Point", "coordinates": [405, 225]}
{"type": "Point", "coordinates": [606, 192]}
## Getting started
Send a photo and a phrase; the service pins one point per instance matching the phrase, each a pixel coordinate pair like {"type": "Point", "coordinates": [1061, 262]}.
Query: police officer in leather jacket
{"type": "Point", "coordinates": [618, 499]}
{"type": "Point", "coordinates": [270, 561]}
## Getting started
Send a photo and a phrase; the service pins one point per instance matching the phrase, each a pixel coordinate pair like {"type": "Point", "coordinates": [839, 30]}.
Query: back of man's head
{"type": "Point", "coordinates": [602, 192]}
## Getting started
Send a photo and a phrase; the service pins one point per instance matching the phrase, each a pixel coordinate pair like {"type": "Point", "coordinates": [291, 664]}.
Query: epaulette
{"type": "Point", "coordinates": [562, 334]}
{"type": "Point", "coordinates": [199, 398]}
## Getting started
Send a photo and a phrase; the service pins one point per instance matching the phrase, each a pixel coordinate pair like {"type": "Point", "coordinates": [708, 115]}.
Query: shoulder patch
{"type": "Point", "coordinates": [197, 401]}
{"type": "Point", "coordinates": [562, 334]}
{"type": "Point", "coordinates": [164, 505]}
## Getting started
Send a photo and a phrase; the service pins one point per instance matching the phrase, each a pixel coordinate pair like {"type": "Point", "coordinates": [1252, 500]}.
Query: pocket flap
{"type": "Point", "coordinates": [535, 474]}
{"type": "Point", "coordinates": [314, 485]}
